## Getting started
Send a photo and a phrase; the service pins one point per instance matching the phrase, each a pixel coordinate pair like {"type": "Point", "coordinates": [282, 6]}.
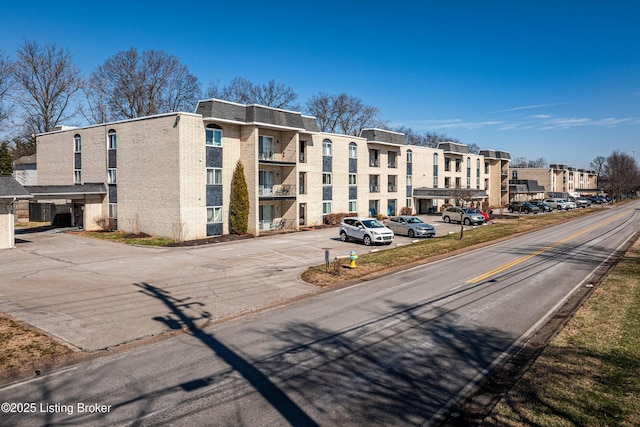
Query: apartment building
{"type": "Point", "coordinates": [560, 179]}
{"type": "Point", "coordinates": [170, 174]}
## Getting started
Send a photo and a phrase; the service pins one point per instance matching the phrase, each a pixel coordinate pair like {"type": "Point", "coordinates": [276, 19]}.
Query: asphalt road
{"type": "Point", "coordinates": [397, 350]}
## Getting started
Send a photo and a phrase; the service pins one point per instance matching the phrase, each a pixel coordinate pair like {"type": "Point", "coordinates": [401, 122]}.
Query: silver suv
{"type": "Point", "coordinates": [464, 215]}
{"type": "Point", "coordinates": [368, 230]}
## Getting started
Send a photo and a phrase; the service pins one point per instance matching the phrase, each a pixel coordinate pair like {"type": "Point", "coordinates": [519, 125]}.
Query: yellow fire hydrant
{"type": "Point", "coordinates": [352, 259]}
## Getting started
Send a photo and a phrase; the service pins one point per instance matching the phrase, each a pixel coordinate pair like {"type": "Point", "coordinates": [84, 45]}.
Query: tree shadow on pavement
{"type": "Point", "coordinates": [261, 383]}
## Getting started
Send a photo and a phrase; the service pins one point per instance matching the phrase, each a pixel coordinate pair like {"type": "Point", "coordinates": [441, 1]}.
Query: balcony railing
{"type": "Point", "coordinates": [277, 190]}
{"type": "Point", "coordinates": [374, 189]}
{"type": "Point", "coordinates": [288, 156]}
{"type": "Point", "coordinates": [373, 163]}
{"type": "Point", "coordinates": [392, 189]}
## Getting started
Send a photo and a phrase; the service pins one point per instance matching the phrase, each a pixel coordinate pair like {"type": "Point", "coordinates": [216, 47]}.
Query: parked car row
{"type": "Point", "coordinates": [555, 203]}
{"type": "Point", "coordinates": [371, 231]}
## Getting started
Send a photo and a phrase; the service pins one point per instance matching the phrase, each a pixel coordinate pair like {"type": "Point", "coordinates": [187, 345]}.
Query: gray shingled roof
{"type": "Point", "coordinates": [10, 188]}
{"type": "Point", "coordinates": [255, 114]}
{"type": "Point", "coordinates": [452, 147]}
{"type": "Point", "coordinates": [495, 154]}
{"type": "Point", "coordinates": [525, 186]}
{"type": "Point", "coordinates": [384, 136]}
{"type": "Point", "coordinates": [54, 190]}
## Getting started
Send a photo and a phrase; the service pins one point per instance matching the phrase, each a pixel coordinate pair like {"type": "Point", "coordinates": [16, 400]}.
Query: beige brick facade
{"type": "Point", "coordinates": [292, 180]}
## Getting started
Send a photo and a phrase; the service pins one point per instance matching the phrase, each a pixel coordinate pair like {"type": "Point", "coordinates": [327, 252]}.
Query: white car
{"type": "Point", "coordinates": [558, 204]}
{"type": "Point", "coordinates": [367, 230]}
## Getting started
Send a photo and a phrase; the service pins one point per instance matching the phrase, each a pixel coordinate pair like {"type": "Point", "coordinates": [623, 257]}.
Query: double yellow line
{"type": "Point", "coordinates": [520, 260]}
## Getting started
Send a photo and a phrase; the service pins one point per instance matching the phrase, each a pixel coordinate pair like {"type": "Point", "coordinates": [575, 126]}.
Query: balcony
{"type": "Point", "coordinates": [280, 190]}
{"type": "Point", "coordinates": [392, 188]}
{"type": "Point", "coordinates": [373, 163]}
{"type": "Point", "coordinates": [287, 157]}
{"type": "Point", "coordinates": [374, 189]}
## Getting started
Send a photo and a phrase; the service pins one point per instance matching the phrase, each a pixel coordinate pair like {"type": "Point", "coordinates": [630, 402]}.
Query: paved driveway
{"type": "Point", "coordinates": [89, 293]}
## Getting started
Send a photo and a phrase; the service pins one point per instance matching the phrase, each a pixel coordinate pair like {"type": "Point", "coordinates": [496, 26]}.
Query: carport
{"type": "Point", "coordinates": [426, 198]}
{"type": "Point", "coordinates": [10, 191]}
{"type": "Point", "coordinates": [87, 201]}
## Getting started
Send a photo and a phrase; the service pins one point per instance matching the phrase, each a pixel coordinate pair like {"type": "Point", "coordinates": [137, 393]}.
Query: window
{"type": "Point", "coordinates": [214, 176]}
{"type": "Point", "coordinates": [77, 176]}
{"type": "Point", "coordinates": [326, 207]}
{"type": "Point", "coordinates": [113, 210]}
{"type": "Point", "coordinates": [435, 167]}
{"type": "Point", "coordinates": [213, 135]}
{"type": "Point", "coordinates": [435, 182]}
{"type": "Point", "coordinates": [111, 176]}
{"type": "Point", "coordinates": [458, 166]}
{"type": "Point", "coordinates": [214, 214]}
{"type": "Point", "coordinates": [353, 151]}
{"type": "Point", "coordinates": [408, 203]}
{"type": "Point", "coordinates": [468, 182]}
{"type": "Point", "coordinates": [112, 140]}
{"type": "Point", "coordinates": [265, 147]}
{"type": "Point", "coordinates": [447, 164]}
{"type": "Point", "coordinates": [447, 182]}
{"type": "Point", "coordinates": [373, 158]}
{"type": "Point", "coordinates": [392, 155]}
{"type": "Point", "coordinates": [302, 183]}
{"type": "Point", "coordinates": [353, 206]}
{"type": "Point", "coordinates": [409, 180]}
{"type": "Point", "coordinates": [409, 156]}
{"type": "Point", "coordinates": [326, 147]}
{"type": "Point", "coordinates": [353, 179]}
{"type": "Point", "coordinates": [77, 144]}
{"type": "Point", "coordinates": [374, 183]}
{"type": "Point", "coordinates": [391, 183]}
{"type": "Point", "coordinates": [303, 151]}
{"type": "Point", "coordinates": [326, 178]}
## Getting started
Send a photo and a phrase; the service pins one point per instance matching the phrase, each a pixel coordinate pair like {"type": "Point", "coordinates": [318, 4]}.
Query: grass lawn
{"type": "Point", "coordinates": [589, 375]}
{"type": "Point", "coordinates": [404, 255]}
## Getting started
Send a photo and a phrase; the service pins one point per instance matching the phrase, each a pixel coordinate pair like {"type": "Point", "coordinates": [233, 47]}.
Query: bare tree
{"type": "Point", "coordinates": [474, 148]}
{"type": "Point", "coordinates": [540, 162]}
{"type": "Point", "coordinates": [523, 162]}
{"type": "Point", "coordinates": [243, 91]}
{"type": "Point", "coordinates": [598, 165]}
{"type": "Point", "coordinates": [462, 196]}
{"type": "Point", "coordinates": [620, 175]}
{"type": "Point", "coordinates": [343, 113]}
{"type": "Point", "coordinates": [46, 82]}
{"type": "Point", "coordinates": [6, 70]}
{"type": "Point", "coordinates": [132, 84]}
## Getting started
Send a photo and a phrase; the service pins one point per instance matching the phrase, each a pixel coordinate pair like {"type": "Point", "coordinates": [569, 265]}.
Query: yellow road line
{"type": "Point", "coordinates": [539, 251]}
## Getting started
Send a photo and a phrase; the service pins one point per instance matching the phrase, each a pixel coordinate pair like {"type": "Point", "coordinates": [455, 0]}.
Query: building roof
{"type": "Point", "coordinates": [453, 147]}
{"type": "Point", "coordinates": [216, 109]}
{"type": "Point", "coordinates": [525, 186]}
{"type": "Point", "coordinates": [25, 160]}
{"type": "Point", "coordinates": [10, 188]}
{"type": "Point", "coordinates": [495, 154]}
{"type": "Point", "coordinates": [445, 193]}
{"type": "Point", "coordinates": [66, 190]}
{"type": "Point", "coordinates": [383, 136]}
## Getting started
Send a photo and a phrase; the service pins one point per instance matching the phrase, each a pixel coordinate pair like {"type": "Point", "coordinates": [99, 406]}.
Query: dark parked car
{"type": "Point", "coordinates": [410, 226]}
{"type": "Point", "coordinates": [542, 205]}
{"type": "Point", "coordinates": [524, 207]}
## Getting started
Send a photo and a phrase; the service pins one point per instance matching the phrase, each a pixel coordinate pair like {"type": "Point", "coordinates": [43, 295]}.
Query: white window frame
{"type": "Point", "coordinates": [216, 211]}
{"type": "Point", "coordinates": [212, 142]}
{"type": "Point", "coordinates": [409, 181]}
{"type": "Point", "coordinates": [112, 140]}
{"type": "Point", "coordinates": [353, 206]}
{"type": "Point", "coordinates": [353, 150]}
{"type": "Point", "coordinates": [113, 210]}
{"type": "Point", "coordinates": [353, 179]}
{"type": "Point", "coordinates": [77, 176]}
{"type": "Point", "coordinates": [409, 156]}
{"type": "Point", "coordinates": [408, 202]}
{"type": "Point", "coordinates": [77, 144]}
{"type": "Point", "coordinates": [112, 176]}
{"type": "Point", "coordinates": [216, 175]}
{"type": "Point", "coordinates": [326, 208]}
{"type": "Point", "coordinates": [326, 178]}
{"type": "Point", "coordinates": [326, 148]}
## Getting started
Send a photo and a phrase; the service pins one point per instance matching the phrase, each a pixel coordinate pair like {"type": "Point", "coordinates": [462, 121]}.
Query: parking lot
{"type": "Point", "coordinates": [91, 293]}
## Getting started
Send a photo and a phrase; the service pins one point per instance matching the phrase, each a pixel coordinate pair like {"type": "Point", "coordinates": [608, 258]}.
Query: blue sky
{"type": "Point", "coordinates": [553, 79]}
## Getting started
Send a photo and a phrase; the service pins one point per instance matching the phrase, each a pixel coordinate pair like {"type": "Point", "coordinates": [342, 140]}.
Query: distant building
{"type": "Point", "coordinates": [560, 179]}
{"type": "Point", "coordinates": [25, 170]}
